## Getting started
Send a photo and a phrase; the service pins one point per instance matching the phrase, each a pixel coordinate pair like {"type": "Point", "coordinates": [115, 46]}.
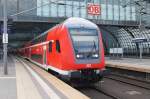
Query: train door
{"type": "Point", "coordinates": [44, 56]}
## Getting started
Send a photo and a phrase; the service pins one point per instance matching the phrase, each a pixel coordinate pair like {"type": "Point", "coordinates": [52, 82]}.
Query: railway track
{"type": "Point", "coordinates": [131, 77]}
{"type": "Point", "coordinates": [110, 96]}
{"type": "Point", "coordinates": [95, 92]}
{"type": "Point", "coordinates": [105, 93]}
{"type": "Point", "coordinates": [129, 80]}
{"type": "Point", "coordinates": [122, 79]}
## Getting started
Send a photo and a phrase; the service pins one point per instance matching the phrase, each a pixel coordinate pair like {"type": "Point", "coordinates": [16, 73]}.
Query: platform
{"type": "Point", "coordinates": [8, 89]}
{"type": "Point", "coordinates": [25, 82]}
{"type": "Point", "coordinates": [140, 65]}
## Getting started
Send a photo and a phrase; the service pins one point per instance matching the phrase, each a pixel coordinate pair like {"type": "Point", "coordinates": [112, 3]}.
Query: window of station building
{"type": "Point", "coordinates": [76, 9]}
{"type": "Point", "coordinates": [103, 1]}
{"type": "Point", "coordinates": [122, 9]}
{"type": "Point", "coordinates": [116, 9]}
{"type": "Point", "coordinates": [54, 10]}
{"type": "Point", "coordinates": [45, 8]}
{"type": "Point", "coordinates": [122, 13]}
{"type": "Point", "coordinates": [61, 8]}
{"type": "Point", "coordinates": [133, 13]}
{"type": "Point", "coordinates": [69, 8]}
{"type": "Point", "coordinates": [103, 13]}
{"type": "Point", "coordinates": [110, 10]}
{"type": "Point", "coordinates": [58, 46]}
{"type": "Point", "coordinates": [116, 12]}
{"type": "Point", "coordinates": [39, 10]}
{"type": "Point", "coordinates": [83, 11]}
{"type": "Point", "coordinates": [128, 13]}
{"type": "Point", "coordinates": [79, 0]}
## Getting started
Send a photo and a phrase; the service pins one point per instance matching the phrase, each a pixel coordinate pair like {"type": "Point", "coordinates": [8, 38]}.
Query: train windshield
{"type": "Point", "coordinates": [85, 42]}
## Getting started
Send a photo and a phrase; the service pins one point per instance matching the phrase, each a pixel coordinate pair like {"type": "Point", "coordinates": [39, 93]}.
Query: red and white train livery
{"type": "Point", "coordinates": [72, 49]}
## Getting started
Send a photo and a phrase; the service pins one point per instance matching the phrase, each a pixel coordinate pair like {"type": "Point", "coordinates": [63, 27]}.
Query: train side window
{"type": "Point", "coordinates": [58, 46]}
{"type": "Point", "coordinates": [50, 46]}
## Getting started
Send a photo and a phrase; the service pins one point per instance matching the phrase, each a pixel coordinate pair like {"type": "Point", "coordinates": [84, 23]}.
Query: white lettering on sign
{"type": "Point", "coordinates": [5, 38]}
{"type": "Point", "coordinates": [93, 9]}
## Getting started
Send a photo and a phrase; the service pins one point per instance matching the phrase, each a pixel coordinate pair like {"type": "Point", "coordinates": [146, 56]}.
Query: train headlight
{"type": "Point", "coordinates": [97, 71]}
{"type": "Point", "coordinates": [79, 56]}
{"type": "Point", "coordinates": [95, 55]}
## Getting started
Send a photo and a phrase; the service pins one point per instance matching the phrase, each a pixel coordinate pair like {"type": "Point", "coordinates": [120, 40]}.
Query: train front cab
{"type": "Point", "coordinates": [84, 54]}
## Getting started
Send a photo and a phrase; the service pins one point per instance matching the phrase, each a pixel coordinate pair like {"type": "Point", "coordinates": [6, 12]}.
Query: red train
{"type": "Point", "coordinates": [72, 49]}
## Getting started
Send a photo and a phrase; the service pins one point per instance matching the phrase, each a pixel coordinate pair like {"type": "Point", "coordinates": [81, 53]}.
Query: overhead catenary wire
{"type": "Point", "coordinates": [54, 2]}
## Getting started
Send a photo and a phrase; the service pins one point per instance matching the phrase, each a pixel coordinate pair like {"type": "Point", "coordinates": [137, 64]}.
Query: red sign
{"type": "Point", "coordinates": [93, 9]}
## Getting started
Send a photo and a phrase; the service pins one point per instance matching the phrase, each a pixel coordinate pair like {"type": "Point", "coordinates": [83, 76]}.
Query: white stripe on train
{"type": "Point", "coordinates": [62, 72]}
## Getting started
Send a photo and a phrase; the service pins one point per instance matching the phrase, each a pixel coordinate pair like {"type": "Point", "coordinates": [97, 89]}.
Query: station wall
{"type": "Point", "coordinates": [110, 9]}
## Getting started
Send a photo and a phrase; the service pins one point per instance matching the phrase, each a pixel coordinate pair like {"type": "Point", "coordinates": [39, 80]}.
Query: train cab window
{"type": "Point", "coordinates": [50, 46]}
{"type": "Point", "coordinates": [58, 46]}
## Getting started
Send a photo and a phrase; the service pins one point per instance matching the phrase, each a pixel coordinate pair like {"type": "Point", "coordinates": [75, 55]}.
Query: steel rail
{"type": "Point", "coordinates": [105, 93]}
{"type": "Point", "coordinates": [129, 81]}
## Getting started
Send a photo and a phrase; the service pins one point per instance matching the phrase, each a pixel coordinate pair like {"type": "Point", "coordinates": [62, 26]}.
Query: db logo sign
{"type": "Point", "coordinates": [93, 9]}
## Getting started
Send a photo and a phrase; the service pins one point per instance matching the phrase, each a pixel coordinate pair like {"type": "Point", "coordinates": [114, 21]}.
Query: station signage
{"type": "Point", "coordinates": [93, 9]}
{"type": "Point", "coordinates": [139, 40]}
{"type": "Point", "coordinates": [5, 38]}
{"type": "Point", "coordinates": [9, 26]}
